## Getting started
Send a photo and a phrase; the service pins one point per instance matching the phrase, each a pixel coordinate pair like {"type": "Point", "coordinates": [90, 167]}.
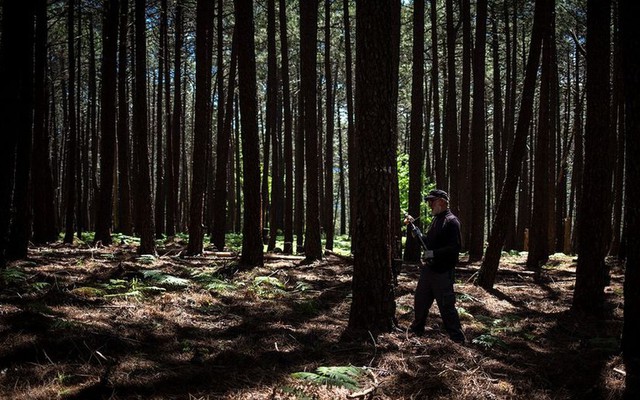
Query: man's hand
{"type": "Point", "coordinates": [428, 254]}
{"type": "Point", "coordinates": [408, 219]}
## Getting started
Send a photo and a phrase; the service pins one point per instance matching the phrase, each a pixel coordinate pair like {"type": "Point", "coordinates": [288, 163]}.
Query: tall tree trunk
{"type": "Point", "coordinates": [630, 40]}
{"type": "Point", "coordinates": [595, 216]}
{"type": "Point", "coordinates": [44, 222]}
{"type": "Point", "coordinates": [498, 116]}
{"type": "Point", "coordinates": [223, 153]}
{"type": "Point", "coordinates": [288, 130]}
{"type": "Point", "coordinates": [299, 179]}
{"type": "Point", "coordinates": [412, 252]}
{"type": "Point", "coordinates": [451, 116]}
{"type": "Point", "coordinates": [464, 153]}
{"type": "Point", "coordinates": [124, 152]}
{"type": "Point", "coordinates": [143, 174]}
{"type": "Point", "coordinates": [204, 48]}
{"type": "Point", "coordinates": [20, 231]}
{"type": "Point", "coordinates": [308, 61]}
{"type": "Point", "coordinates": [538, 234]}
{"type": "Point", "coordinates": [329, 227]}
{"type": "Point", "coordinates": [578, 152]}
{"type": "Point", "coordinates": [272, 122]}
{"type": "Point", "coordinates": [487, 274]}
{"type": "Point", "coordinates": [108, 121]}
{"type": "Point", "coordinates": [173, 156]}
{"type": "Point", "coordinates": [70, 174]}
{"type": "Point", "coordinates": [163, 66]}
{"type": "Point", "coordinates": [92, 131]}
{"type": "Point", "coordinates": [438, 159]}
{"type": "Point", "coordinates": [351, 137]}
{"type": "Point", "coordinates": [373, 305]}
{"type": "Point", "coordinates": [617, 130]}
{"type": "Point", "coordinates": [252, 227]}
{"type": "Point", "coordinates": [478, 138]}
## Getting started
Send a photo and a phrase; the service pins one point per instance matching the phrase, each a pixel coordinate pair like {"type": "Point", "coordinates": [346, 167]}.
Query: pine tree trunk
{"type": "Point", "coordinates": [329, 227]}
{"type": "Point", "coordinates": [223, 152]}
{"type": "Point", "coordinates": [44, 223]}
{"type": "Point", "coordinates": [438, 158]}
{"type": "Point", "coordinates": [163, 66]}
{"type": "Point", "coordinates": [288, 131]}
{"type": "Point", "coordinates": [173, 180]}
{"type": "Point", "coordinates": [20, 231]}
{"type": "Point", "coordinates": [488, 271]}
{"type": "Point", "coordinates": [412, 252]}
{"type": "Point", "coordinates": [463, 211]}
{"type": "Point", "coordinates": [272, 122]}
{"type": "Point", "coordinates": [143, 207]}
{"type": "Point", "coordinates": [204, 24]}
{"type": "Point", "coordinates": [630, 40]}
{"type": "Point", "coordinates": [451, 112]}
{"type": "Point", "coordinates": [308, 56]}
{"type": "Point", "coordinates": [71, 146]}
{"type": "Point", "coordinates": [108, 122]}
{"type": "Point", "coordinates": [351, 137]}
{"type": "Point", "coordinates": [595, 216]}
{"type": "Point", "coordinates": [252, 226]}
{"type": "Point", "coordinates": [538, 234]}
{"type": "Point", "coordinates": [478, 138]}
{"type": "Point", "coordinates": [373, 305]}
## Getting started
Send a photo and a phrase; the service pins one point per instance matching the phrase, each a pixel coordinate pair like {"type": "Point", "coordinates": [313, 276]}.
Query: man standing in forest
{"type": "Point", "coordinates": [437, 271]}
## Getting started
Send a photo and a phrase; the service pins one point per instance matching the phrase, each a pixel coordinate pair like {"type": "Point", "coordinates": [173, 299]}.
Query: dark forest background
{"type": "Point", "coordinates": [299, 123]}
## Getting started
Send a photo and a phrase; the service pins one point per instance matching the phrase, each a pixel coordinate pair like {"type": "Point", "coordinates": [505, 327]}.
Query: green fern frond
{"type": "Point", "coordinates": [11, 276]}
{"type": "Point", "coordinates": [165, 279]}
{"type": "Point", "coordinates": [340, 376]}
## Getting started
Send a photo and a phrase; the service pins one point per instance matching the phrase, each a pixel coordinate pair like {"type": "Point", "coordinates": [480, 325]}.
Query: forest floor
{"type": "Point", "coordinates": [79, 322]}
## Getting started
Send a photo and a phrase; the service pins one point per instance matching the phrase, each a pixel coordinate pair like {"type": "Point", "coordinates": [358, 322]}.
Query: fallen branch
{"type": "Point", "coordinates": [621, 372]}
{"type": "Point", "coordinates": [367, 391]}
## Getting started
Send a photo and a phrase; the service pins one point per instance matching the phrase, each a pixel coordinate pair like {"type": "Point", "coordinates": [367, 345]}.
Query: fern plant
{"type": "Point", "coordinates": [12, 276]}
{"type": "Point", "coordinates": [268, 286]}
{"type": "Point", "coordinates": [340, 376]}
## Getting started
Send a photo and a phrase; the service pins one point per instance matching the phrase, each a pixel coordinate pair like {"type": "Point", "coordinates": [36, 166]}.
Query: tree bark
{"type": "Point", "coordinates": [329, 227]}
{"type": "Point", "coordinates": [143, 174]}
{"type": "Point", "coordinates": [44, 213]}
{"type": "Point", "coordinates": [630, 42]}
{"type": "Point", "coordinates": [478, 138]}
{"type": "Point", "coordinates": [252, 225]}
{"type": "Point", "coordinates": [595, 216]}
{"type": "Point", "coordinates": [124, 153]}
{"type": "Point", "coordinates": [204, 26]}
{"type": "Point", "coordinates": [71, 145]}
{"type": "Point", "coordinates": [412, 252]}
{"type": "Point", "coordinates": [487, 274]}
{"type": "Point", "coordinates": [308, 61]}
{"type": "Point", "coordinates": [288, 133]}
{"type": "Point", "coordinates": [222, 160]}
{"type": "Point", "coordinates": [108, 121]}
{"type": "Point", "coordinates": [373, 305]}
{"type": "Point", "coordinates": [20, 231]}
{"type": "Point", "coordinates": [538, 234]}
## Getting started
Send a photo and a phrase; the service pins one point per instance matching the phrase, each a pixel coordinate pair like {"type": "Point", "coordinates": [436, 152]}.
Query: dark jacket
{"type": "Point", "coordinates": [443, 237]}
